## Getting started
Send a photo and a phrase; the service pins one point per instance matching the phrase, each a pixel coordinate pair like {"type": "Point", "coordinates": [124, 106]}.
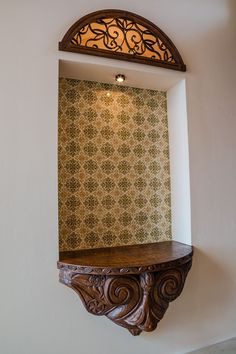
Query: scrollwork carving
{"type": "Point", "coordinates": [134, 301]}
{"type": "Point", "coordinates": [122, 35]}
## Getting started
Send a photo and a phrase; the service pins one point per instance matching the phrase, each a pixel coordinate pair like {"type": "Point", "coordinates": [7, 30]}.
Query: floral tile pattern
{"type": "Point", "coordinates": [114, 180]}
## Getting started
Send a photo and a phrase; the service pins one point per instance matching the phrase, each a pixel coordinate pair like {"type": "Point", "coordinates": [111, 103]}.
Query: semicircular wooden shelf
{"type": "Point", "coordinates": [131, 285]}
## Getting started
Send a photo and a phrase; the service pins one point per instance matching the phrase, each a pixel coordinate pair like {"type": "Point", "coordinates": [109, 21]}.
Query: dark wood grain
{"type": "Point", "coordinates": [134, 258]}
{"type": "Point", "coordinates": [67, 45]}
{"type": "Point", "coordinates": [132, 285]}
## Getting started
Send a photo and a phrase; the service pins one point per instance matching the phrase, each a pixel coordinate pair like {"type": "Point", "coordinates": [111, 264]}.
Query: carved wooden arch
{"type": "Point", "coordinates": [122, 35]}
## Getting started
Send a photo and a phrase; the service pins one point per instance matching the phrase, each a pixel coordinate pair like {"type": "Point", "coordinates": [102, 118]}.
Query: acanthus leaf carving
{"type": "Point", "coordinates": [134, 301]}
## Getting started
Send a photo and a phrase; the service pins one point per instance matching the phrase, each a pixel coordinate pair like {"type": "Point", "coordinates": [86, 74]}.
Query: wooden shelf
{"type": "Point", "coordinates": [131, 285]}
{"type": "Point", "coordinates": [125, 259]}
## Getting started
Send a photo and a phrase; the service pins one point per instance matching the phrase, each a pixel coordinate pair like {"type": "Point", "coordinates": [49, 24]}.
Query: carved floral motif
{"type": "Point", "coordinates": [134, 301]}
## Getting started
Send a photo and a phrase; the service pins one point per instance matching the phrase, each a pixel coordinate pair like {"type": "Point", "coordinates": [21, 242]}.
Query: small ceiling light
{"type": "Point", "coordinates": [120, 78]}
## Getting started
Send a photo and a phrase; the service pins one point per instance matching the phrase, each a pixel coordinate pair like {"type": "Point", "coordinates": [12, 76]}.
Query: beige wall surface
{"type": "Point", "coordinates": [38, 315]}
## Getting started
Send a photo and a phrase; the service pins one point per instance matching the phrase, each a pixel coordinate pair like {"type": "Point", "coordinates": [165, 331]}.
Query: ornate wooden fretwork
{"type": "Point", "coordinates": [122, 35]}
{"type": "Point", "coordinates": [134, 297]}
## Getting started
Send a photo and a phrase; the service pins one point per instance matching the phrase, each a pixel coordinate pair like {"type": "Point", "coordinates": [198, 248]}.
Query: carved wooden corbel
{"type": "Point", "coordinates": [134, 297]}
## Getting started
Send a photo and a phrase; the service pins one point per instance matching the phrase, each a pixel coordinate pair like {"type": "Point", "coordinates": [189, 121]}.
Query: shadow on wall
{"type": "Point", "coordinates": [212, 198]}
{"type": "Point", "coordinates": [187, 311]}
{"type": "Point", "coordinates": [204, 309]}
{"type": "Point", "coordinates": [227, 347]}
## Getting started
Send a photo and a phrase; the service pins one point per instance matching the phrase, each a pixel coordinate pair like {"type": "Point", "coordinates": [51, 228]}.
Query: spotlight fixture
{"type": "Point", "coordinates": [120, 78]}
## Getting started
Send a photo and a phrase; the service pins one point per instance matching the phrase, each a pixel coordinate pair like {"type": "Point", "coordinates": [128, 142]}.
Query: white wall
{"type": "Point", "coordinates": [38, 315]}
{"type": "Point", "coordinates": [179, 163]}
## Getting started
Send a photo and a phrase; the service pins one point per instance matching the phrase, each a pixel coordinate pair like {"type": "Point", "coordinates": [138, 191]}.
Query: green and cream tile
{"type": "Point", "coordinates": [114, 182]}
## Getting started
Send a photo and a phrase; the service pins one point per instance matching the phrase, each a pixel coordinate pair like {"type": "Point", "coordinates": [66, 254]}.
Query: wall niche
{"type": "Point", "coordinates": [122, 203]}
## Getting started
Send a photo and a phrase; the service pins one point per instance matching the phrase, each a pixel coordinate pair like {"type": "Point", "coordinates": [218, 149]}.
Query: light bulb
{"type": "Point", "coordinates": [120, 78]}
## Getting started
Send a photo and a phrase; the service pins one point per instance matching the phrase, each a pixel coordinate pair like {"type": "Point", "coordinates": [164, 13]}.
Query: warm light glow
{"type": "Point", "coordinates": [120, 78]}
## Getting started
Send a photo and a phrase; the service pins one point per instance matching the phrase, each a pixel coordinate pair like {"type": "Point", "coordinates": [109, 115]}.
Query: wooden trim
{"type": "Point", "coordinates": [132, 291]}
{"type": "Point", "coordinates": [126, 259]}
{"type": "Point", "coordinates": [67, 45]}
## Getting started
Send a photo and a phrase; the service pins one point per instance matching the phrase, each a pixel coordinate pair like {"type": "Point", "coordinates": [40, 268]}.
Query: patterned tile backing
{"type": "Point", "coordinates": [114, 182]}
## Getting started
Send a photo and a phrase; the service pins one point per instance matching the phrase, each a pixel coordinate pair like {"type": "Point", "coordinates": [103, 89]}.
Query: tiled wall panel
{"type": "Point", "coordinates": [114, 182]}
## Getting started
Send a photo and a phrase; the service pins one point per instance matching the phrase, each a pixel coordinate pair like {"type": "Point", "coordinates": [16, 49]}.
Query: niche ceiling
{"type": "Point", "coordinates": [114, 179]}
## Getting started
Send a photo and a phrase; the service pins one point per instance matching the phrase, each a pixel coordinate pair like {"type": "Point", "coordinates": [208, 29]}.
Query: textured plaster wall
{"type": "Point", "coordinates": [114, 181]}
{"type": "Point", "coordinates": [39, 315]}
